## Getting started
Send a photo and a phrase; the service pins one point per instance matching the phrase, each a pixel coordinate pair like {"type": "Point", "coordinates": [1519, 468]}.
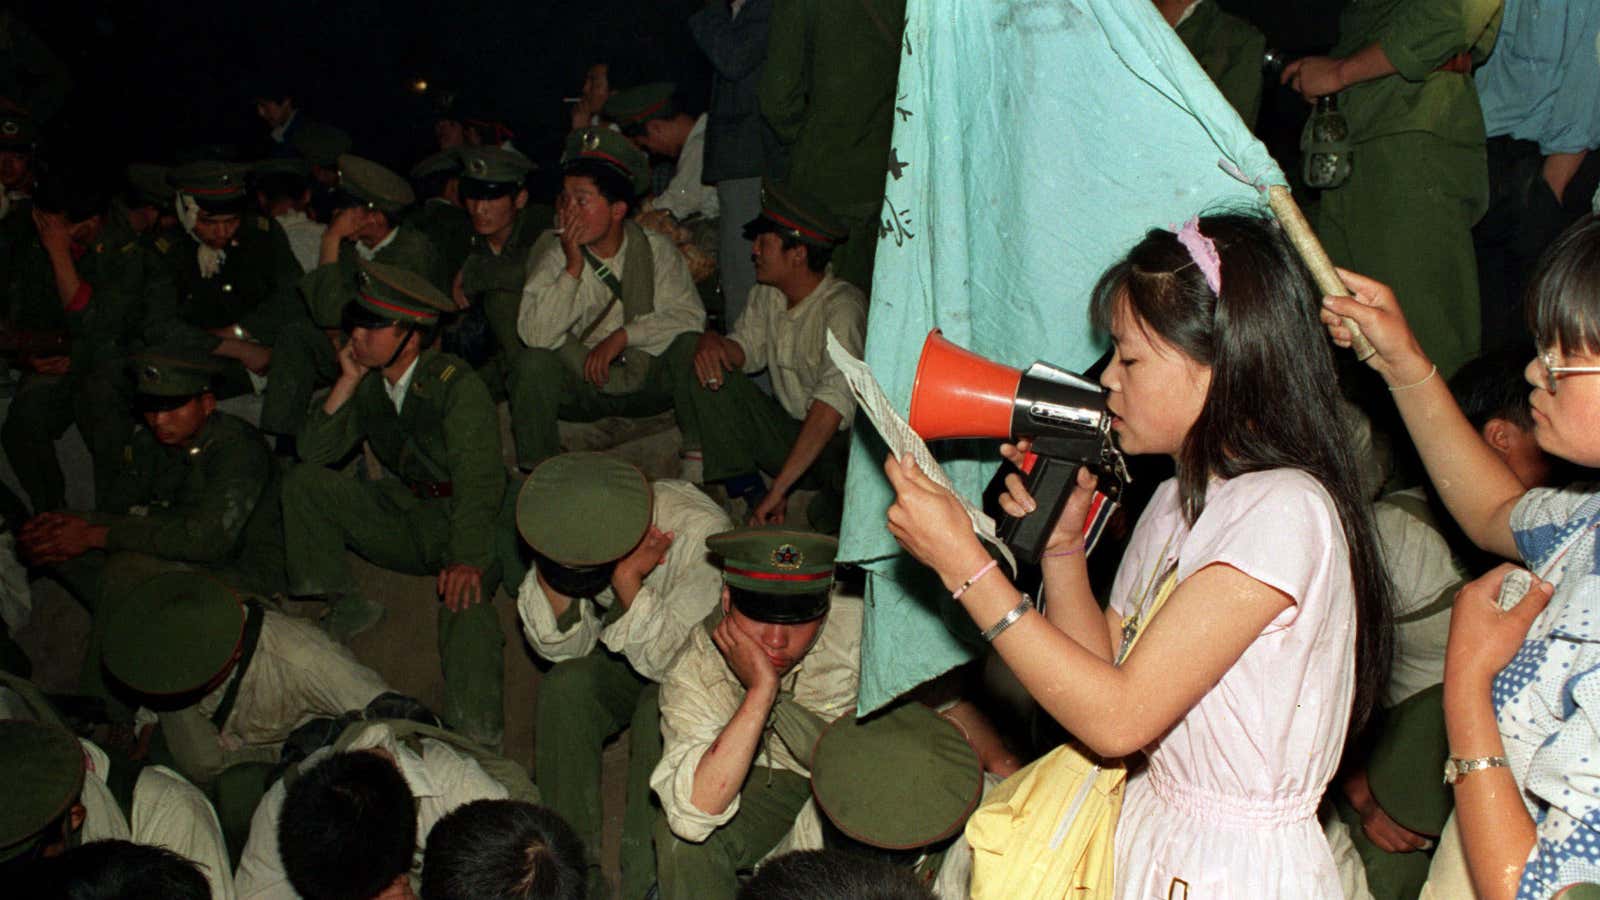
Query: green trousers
{"type": "Point", "coordinates": [853, 259]}
{"type": "Point", "coordinates": [1390, 876]}
{"type": "Point", "coordinates": [543, 389]}
{"type": "Point", "coordinates": [742, 430]}
{"type": "Point", "coordinates": [768, 803]}
{"type": "Point", "coordinates": [325, 512]}
{"type": "Point", "coordinates": [1405, 217]}
{"type": "Point", "coordinates": [44, 408]}
{"type": "Point", "coordinates": [582, 703]}
{"type": "Point", "coordinates": [302, 360]}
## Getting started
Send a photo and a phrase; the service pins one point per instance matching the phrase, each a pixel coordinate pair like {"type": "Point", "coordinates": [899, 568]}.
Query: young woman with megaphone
{"type": "Point", "coordinates": [1272, 638]}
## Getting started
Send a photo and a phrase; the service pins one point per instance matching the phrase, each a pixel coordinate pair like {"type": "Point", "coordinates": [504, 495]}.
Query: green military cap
{"type": "Point", "coordinates": [791, 212]}
{"type": "Point", "coordinates": [214, 185]}
{"type": "Point", "coordinates": [436, 163]}
{"type": "Point", "coordinates": [320, 144]}
{"type": "Point", "coordinates": [150, 184]}
{"type": "Point", "coordinates": [174, 372]}
{"type": "Point", "coordinates": [18, 133]}
{"type": "Point", "coordinates": [789, 571]}
{"type": "Point", "coordinates": [387, 293]}
{"type": "Point", "coordinates": [584, 509]}
{"type": "Point", "coordinates": [174, 634]}
{"type": "Point", "coordinates": [1403, 767]}
{"type": "Point", "coordinates": [611, 149]}
{"type": "Point", "coordinates": [489, 172]}
{"type": "Point", "coordinates": [900, 780]}
{"type": "Point", "coordinates": [631, 108]}
{"type": "Point", "coordinates": [44, 776]}
{"type": "Point", "coordinates": [1586, 890]}
{"type": "Point", "coordinates": [370, 184]}
{"type": "Point", "coordinates": [282, 165]}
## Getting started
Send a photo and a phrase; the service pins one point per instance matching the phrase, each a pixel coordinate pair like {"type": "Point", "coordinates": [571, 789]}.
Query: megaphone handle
{"type": "Point", "coordinates": [1050, 482]}
{"type": "Point", "coordinates": [1316, 259]}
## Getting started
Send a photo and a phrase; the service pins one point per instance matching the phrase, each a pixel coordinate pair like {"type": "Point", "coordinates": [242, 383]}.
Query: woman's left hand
{"type": "Point", "coordinates": [1483, 637]}
{"type": "Point", "coordinates": [931, 524]}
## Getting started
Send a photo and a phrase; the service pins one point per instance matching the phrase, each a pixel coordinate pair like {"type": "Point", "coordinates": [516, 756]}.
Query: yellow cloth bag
{"type": "Point", "coordinates": [1048, 832]}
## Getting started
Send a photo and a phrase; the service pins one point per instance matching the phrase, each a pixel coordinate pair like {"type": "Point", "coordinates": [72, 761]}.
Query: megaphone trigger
{"type": "Point", "coordinates": [1028, 459]}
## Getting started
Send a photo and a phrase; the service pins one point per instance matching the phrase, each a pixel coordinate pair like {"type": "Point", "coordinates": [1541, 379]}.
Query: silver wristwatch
{"type": "Point", "coordinates": [1457, 769]}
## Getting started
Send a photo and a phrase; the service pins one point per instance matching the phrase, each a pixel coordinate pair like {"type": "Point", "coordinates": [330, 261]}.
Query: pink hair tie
{"type": "Point", "coordinates": [1203, 251]}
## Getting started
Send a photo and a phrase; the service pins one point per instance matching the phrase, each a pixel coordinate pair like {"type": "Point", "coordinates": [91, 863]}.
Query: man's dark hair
{"type": "Point", "coordinates": [503, 850]}
{"type": "Point", "coordinates": [817, 258]}
{"type": "Point", "coordinates": [831, 875]}
{"type": "Point", "coordinates": [282, 186]}
{"type": "Point", "coordinates": [76, 197]}
{"type": "Point", "coordinates": [348, 828]}
{"type": "Point", "coordinates": [612, 184]}
{"type": "Point", "coordinates": [433, 184]}
{"type": "Point", "coordinates": [1491, 386]}
{"type": "Point", "coordinates": [114, 870]}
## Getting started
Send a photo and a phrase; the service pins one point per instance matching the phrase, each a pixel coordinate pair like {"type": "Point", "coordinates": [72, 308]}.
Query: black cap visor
{"type": "Point", "coordinates": [473, 189]}
{"type": "Point", "coordinates": [147, 404]}
{"type": "Point", "coordinates": [354, 316]}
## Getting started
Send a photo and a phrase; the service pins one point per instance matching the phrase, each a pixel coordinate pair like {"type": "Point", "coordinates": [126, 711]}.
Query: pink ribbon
{"type": "Point", "coordinates": [1203, 251]}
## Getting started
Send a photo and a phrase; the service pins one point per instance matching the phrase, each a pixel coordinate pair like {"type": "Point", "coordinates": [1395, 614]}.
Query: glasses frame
{"type": "Point", "coordinates": [1551, 371]}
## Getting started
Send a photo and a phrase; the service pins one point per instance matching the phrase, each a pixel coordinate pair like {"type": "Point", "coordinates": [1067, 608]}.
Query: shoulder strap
{"type": "Point", "coordinates": [254, 615]}
{"type": "Point", "coordinates": [637, 294]}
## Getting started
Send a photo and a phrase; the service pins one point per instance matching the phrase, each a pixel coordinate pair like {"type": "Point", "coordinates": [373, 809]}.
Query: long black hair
{"type": "Point", "coordinates": [1274, 399]}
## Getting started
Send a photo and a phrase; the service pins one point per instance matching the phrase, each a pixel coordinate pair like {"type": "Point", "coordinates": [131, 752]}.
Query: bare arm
{"type": "Point", "coordinates": [722, 770]}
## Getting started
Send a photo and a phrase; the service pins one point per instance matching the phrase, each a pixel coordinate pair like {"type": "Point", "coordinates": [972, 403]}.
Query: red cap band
{"type": "Point", "coordinates": [424, 316]}
{"type": "Point", "coordinates": [797, 226]}
{"type": "Point", "coordinates": [775, 576]}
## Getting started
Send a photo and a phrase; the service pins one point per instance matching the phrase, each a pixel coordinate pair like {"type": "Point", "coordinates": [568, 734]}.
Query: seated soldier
{"type": "Point", "coordinates": [283, 191]}
{"type": "Point", "coordinates": [428, 418]}
{"type": "Point", "coordinates": [728, 789]}
{"type": "Point", "coordinates": [622, 562]}
{"type": "Point", "coordinates": [503, 850]}
{"type": "Point", "coordinates": [234, 278]}
{"type": "Point", "coordinates": [146, 201]}
{"type": "Point", "coordinates": [321, 145]}
{"type": "Point", "coordinates": [1391, 799]}
{"type": "Point", "coordinates": [439, 214]}
{"type": "Point", "coordinates": [78, 296]}
{"type": "Point", "coordinates": [305, 842]}
{"type": "Point", "coordinates": [897, 787]}
{"type": "Point", "coordinates": [57, 796]}
{"type": "Point", "coordinates": [800, 437]}
{"type": "Point", "coordinates": [608, 310]}
{"type": "Point", "coordinates": [19, 139]}
{"type": "Point", "coordinates": [366, 227]}
{"type": "Point", "coordinates": [197, 489]}
{"type": "Point", "coordinates": [228, 678]}
{"type": "Point", "coordinates": [653, 118]}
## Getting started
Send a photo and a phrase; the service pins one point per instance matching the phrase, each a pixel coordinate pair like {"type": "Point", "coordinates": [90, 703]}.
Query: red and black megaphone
{"type": "Point", "coordinates": [959, 394]}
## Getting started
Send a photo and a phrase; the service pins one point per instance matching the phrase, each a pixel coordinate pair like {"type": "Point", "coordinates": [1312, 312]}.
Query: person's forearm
{"type": "Point", "coordinates": [328, 250]}
{"type": "Point", "coordinates": [821, 424]}
{"type": "Point", "coordinates": [1496, 832]}
{"type": "Point", "coordinates": [1071, 604]}
{"type": "Point", "coordinates": [1366, 64]}
{"type": "Point", "coordinates": [1559, 169]}
{"type": "Point", "coordinates": [67, 281]}
{"type": "Point", "coordinates": [342, 391]}
{"type": "Point", "coordinates": [723, 768]}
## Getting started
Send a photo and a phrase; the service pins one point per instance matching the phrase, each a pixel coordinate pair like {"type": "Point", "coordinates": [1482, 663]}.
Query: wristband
{"type": "Point", "coordinates": [1425, 379]}
{"type": "Point", "coordinates": [990, 567]}
{"type": "Point", "coordinates": [1009, 619]}
{"type": "Point", "coordinates": [1073, 552]}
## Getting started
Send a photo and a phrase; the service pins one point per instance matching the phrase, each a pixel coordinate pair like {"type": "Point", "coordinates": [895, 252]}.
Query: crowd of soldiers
{"type": "Point", "coordinates": [277, 364]}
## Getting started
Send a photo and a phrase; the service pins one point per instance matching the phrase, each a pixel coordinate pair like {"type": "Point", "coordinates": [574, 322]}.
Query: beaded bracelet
{"type": "Point", "coordinates": [1009, 619]}
{"type": "Point", "coordinates": [956, 594]}
{"type": "Point", "coordinates": [1425, 379]}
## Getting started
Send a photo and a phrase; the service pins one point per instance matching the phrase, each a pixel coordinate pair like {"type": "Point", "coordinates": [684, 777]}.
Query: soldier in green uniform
{"type": "Point", "coordinates": [827, 90]}
{"type": "Point", "coordinates": [429, 419]}
{"type": "Point", "coordinates": [234, 276]}
{"type": "Point", "coordinates": [609, 310]}
{"type": "Point", "coordinates": [146, 201]}
{"type": "Point", "coordinates": [19, 136]}
{"type": "Point", "coordinates": [86, 287]}
{"type": "Point", "coordinates": [196, 488]}
{"type": "Point", "coordinates": [366, 226]}
{"type": "Point", "coordinates": [1419, 178]}
{"type": "Point", "coordinates": [1227, 47]}
{"type": "Point", "coordinates": [440, 216]}
{"type": "Point", "coordinates": [321, 145]}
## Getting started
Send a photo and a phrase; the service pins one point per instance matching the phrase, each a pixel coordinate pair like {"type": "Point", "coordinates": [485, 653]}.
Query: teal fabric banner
{"type": "Point", "coordinates": [1035, 142]}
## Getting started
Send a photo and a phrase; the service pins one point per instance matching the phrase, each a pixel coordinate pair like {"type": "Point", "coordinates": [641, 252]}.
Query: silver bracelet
{"type": "Point", "coordinates": [1009, 618]}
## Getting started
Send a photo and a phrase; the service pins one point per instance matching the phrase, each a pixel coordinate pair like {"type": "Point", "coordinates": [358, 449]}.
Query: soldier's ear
{"type": "Point", "coordinates": [521, 200]}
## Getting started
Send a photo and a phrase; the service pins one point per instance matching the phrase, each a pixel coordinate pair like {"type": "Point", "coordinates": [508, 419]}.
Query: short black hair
{"type": "Point", "coordinates": [817, 258]}
{"type": "Point", "coordinates": [608, 180]}
{"type": "Point", "coordinates": [278, 186]}
{"type": "Point", "coordinates": [831, 875]}
{"type": "Point", "coordinates": [348, 828]}
{"type": "Point", "coordinates": [433, 184]}
{"type": "Point", "coordinates": [1491, 386]}
{"type": "Point", "coordinates": [503, 850]}
{"type": "Point", "coordinates": [114, 870]}
{"type": "Point", "coordinates": [77, 197]}
{"type": "Point", "coordinates": [573, 582]}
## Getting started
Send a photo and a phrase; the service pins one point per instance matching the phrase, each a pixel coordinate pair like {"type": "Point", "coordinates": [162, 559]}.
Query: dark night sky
{"type": "Point", "coordinates": [155, 75]}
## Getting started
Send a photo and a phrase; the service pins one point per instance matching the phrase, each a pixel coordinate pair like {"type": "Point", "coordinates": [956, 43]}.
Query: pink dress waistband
{"type": "Point", "coordinates": [1231, 809]}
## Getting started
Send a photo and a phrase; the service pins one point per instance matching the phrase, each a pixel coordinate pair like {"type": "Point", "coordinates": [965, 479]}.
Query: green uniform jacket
{"type": "Point", "coordinates": [448, 431]}
{"type": "Point", "coordinates": [214, 503]}
{"type": "Point", "coordinates": [1418, 36]}
{"type": "Point", "coordinates": [494, 281]}
{"type": "Point", "coordinates": [1230, 50]}
{"type": "Point", "coordinates": [330, 286]}
{"type": "Point", "coordinates": [448, 227]}
{"type": "Point", "coordinates": [255, 288]}
{"type": "Point", "coordinates": [127, 283]}
{"type": "Point", "coordinates": [828, 90]}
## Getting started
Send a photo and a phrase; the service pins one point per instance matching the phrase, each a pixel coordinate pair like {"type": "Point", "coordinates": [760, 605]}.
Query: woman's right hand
{"type": "Point", "coordinates": [1399, 358]}
{"type": "Point", "coordinates": [1017, 502]}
